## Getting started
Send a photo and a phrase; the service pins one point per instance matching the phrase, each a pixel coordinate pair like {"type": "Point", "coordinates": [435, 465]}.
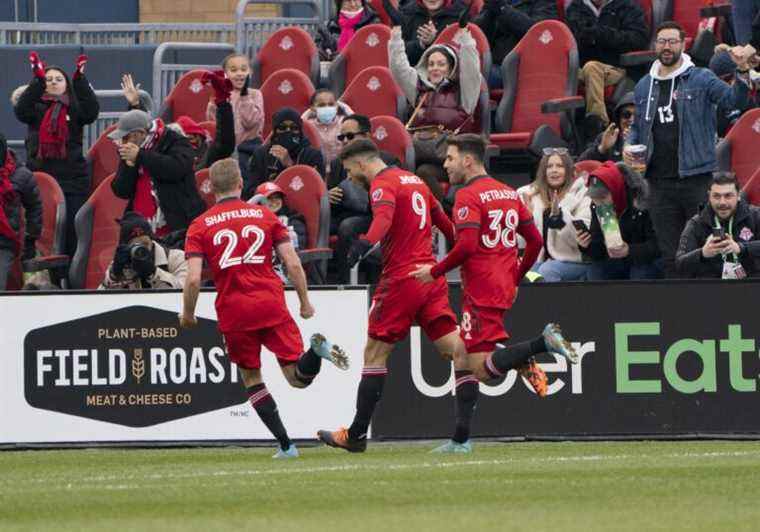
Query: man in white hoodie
{"type": "Point", "coordinates": [675, 120]}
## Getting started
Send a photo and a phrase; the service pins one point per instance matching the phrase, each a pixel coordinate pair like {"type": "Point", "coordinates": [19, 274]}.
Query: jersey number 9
{"type": "Point", "coordinates": [419, 208]}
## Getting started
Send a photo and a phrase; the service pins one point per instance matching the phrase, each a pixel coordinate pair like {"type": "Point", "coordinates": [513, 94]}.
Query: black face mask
{"type": "Point", "coordinates": [288, 140]}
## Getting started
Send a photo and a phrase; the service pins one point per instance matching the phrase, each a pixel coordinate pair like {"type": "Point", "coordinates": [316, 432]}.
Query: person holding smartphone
{"type": "Point", "coordinates": [722, 240]}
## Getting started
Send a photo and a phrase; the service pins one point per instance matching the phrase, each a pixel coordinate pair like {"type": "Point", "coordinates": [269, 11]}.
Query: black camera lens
{"type": "Point", "coordinates": [139, 252]}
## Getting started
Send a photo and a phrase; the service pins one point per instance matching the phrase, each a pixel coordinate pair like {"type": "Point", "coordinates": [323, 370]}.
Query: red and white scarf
{"type": "Point", "coordinates": [7, 197]}
{"type": "Point", "coordinates": [54, 129]}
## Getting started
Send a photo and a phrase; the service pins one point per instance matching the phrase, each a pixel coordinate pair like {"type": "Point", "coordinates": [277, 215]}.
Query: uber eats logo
{"type": "Point", "coordinates": [688, 365]}
{"type": "Point", "coordinates": [132, 366]}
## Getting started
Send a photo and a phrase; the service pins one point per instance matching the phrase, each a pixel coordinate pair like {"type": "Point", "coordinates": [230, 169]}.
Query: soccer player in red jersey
{"type": "Point", "coordinates": [488, 216]}
{"type": "Point", "coordinates": [403, 211]}
{"type": "Point", "coordinates": [237, 240]}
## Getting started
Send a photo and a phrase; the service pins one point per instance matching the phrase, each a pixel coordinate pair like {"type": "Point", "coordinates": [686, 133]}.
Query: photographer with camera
{"type": "Point", "coordinates": [721, 241]}
{"type": "Point", "coordinates": [141, 262]}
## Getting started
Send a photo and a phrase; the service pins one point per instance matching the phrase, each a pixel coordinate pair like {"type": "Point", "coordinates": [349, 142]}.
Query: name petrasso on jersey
{"type": "Point", "coordinates": [497, 194]}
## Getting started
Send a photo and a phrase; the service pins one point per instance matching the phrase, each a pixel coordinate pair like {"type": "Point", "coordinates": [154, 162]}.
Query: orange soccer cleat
{"type": "Point", "coordinates": [533, 373]}
{"type": "Point", "coordinates": [341, 440]}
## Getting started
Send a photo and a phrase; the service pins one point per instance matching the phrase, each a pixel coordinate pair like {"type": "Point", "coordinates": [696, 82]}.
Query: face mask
{"type": "Point", "coordinates": [288, 140]}
{"type": "Point", "coordinates": [325, 115]}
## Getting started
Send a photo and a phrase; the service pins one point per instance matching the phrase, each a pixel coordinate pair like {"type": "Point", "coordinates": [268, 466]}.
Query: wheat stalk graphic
{"type": "Point", "coordinates": [138, 365]}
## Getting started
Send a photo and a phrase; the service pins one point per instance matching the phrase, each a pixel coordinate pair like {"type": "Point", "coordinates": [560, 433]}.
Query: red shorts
{"type": "Point", "coordinates": [482, 327]}
{"type": "Point", "coordinates": [284, 340]}
{"type": "Point", "coordinates": [398, 303]}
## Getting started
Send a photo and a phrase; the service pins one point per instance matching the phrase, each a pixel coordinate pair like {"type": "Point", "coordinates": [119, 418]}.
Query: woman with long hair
{"type": "Point", "coordinates": [556, 199]}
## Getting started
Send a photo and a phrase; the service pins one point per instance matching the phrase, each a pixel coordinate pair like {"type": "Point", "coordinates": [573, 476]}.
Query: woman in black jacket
{"type": "Point", "coordinates": [423, 20]}
{"type": "Point", "coordinates": [56, 110]}
{"type": "Point", "coordinates": [156, 173]}
{"type": "Point", "coordinates": [350, 16]}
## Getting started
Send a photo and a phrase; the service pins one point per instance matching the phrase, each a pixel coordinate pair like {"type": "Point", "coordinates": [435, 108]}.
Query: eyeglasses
{"type": "Point", "coordinates": [663, 42]}
{"type": "Point", "coordinates": [626, 114]}
{"type": "Point", "coordinates": [292, 129]}
{"type": "Point", "coordinates": [557, 151]}
{"type": "Point", "coordinates": [350, 136]}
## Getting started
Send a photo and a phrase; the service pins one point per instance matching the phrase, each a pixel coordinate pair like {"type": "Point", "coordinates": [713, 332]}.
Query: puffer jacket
{"type": "Point", "coordinates": [559, 241]}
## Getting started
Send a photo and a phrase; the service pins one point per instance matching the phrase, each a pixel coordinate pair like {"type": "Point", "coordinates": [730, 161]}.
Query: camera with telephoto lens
{"type": "Point", "coordinates": [139, 254]}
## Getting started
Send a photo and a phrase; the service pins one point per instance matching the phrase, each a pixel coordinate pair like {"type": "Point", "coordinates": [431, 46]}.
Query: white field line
{"type": "Point", "coordinates": [122, 480]}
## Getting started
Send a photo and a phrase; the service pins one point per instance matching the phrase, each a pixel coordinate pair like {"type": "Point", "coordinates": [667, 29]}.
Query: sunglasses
{"type": "Point", "coordinates": [350, 136]}
{"type": "Point", "coordinates": [626, 114]}
{"type": "Point", "coordinates": [558, 151]}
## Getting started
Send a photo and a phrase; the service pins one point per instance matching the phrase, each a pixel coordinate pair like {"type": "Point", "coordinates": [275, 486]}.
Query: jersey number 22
{"type": "Point", "coordinates": [249, 257]}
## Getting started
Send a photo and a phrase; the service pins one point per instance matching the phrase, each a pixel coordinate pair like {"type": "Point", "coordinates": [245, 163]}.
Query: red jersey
{"type": "Point", "coordinates": [495, 209]}
{"type": "Point", "coordinates": [403, 209]}
{"type": "Point", "coordinates": [237, 240]}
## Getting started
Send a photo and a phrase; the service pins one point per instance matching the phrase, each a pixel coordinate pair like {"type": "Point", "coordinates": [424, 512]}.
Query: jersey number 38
{"type": "Point", "coordinates": [503, 229]}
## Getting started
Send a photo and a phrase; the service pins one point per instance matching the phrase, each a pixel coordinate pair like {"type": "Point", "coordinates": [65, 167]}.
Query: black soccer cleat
{"type": "Point", "coordinates": [341, 440]}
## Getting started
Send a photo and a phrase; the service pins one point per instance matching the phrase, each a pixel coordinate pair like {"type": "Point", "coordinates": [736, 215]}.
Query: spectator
{"type": "Point", "coordinates": [608, 145]}
{"type": "Point", "coordinates": [247, 108]}
{"type": "Point", "coordinates": [132, 94]}
{"type": "Point", "coordinates": [350, 214]}
{"type": "Point", "coordinates": [679, 133]}
{"type": "Point", "coordinates": [206, 151]}
{"type": "Point", "coordinates": [350, 16]}
{"type": "Point", "coordinates": [156, 174]}
{"type": "Point", "coordinates": [140, 262]}
{"type": "Point", "coordinates": [56, 111]}
{"type": "Point", "coordinates": [723, 240]}
{"type": "Point", "coordinates": [618, 185]}
{"type": "Point", "coordinates": [18, 189]}
{"type": "Point", "coordinates": [287, 147]}
{"type": "Point", "coordinates": [556, 199]}
{"type": "Point", "coordinates": [423, 20]}
{"type": "Point", "coordinates": [505, 22]}
{"type": "Point", "coordinates": [745, 16]}
{"type": "Point", "coordinates": [273, 197]}
{"type": "Point", "coordinates": [604, 30]}
{"type": "Point", "coordinates": [444, 89]}
{"type": "Point", "coordinates": [326, 114]}
{"type": "Point", "coordinates": [723, 66]}
{"type": "Point", "coordinates": [16, 94]}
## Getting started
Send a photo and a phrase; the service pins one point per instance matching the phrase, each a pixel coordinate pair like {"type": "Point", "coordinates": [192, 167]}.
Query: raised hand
{"type": "Point", "coordinates": [38, 67]}
{"type": "Point", "coordinates": [81, 63]}
{"type": "Point", "coordinates": [130, 90]}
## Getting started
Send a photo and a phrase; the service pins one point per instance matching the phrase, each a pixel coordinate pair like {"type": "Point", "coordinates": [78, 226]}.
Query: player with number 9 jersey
{"type": "Point", "coordinates": [234, 233]}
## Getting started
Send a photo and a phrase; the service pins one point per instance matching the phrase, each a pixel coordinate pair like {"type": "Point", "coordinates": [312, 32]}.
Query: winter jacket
{"type": "Point", "coordinates": [248, 112]}
{"type": "Point", "coordinates": [697, 91]}
{"type": "Point", "coordinates": [265, 167]}
{"type": "Point", "coordinates": [616, 152]}
{"type": "Point", "coordinates": [454, 99]}
{"type": "Point", "coordinates": [355, 197]}
{"type": "Point", "coordinates": [71, 173]}
{"type": "Point", "coordinates": [755, 42]}
{"type": "Point", "coordinates": [560, 239]}
{"type": "Point", "coordinates": [604, 34]}
{"type": "Point", "coordinates": [170, 165]}
{"type": "Point", "coordinates": [223, 143]}
{"type": "Point", "coordinates": [415, 14]}
{"type": "Point", "coordinates": [171, 272]}
{"type": "Point", "coordinates": [328, 133]}
{"type": "Point", "coordinates": [328, 35]}
{"type": "Point", "coordinates": [504, 23]}
{"type": "Point", "coordinates": [745, 231]}
{"type": "Point", "coordinates": [28, 197]}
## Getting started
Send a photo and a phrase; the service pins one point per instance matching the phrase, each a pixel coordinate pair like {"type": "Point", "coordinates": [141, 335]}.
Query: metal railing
{"type": "Point", "coordinates": [33, 33]}
{"type": "Point", "coordinates": [108, 118]}
{"type": "Point", "coordinates": [165, 76]}
{"type": "Point", "coordinates": [252, 33]}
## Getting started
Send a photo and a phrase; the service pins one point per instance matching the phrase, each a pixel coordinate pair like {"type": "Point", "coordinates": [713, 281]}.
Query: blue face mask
{"type": "Point", "coordinates": [325, 115]}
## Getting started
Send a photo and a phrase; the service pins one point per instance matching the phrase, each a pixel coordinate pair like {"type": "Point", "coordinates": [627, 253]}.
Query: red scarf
{"type": "Point", "coordinates": [7, 197]}
{"type": "Point", "coordinates": [54, 130]}
{"type": "Point", "coordinates": [347, 28]}
{"type": "Point", "coordinates": [145, 201]}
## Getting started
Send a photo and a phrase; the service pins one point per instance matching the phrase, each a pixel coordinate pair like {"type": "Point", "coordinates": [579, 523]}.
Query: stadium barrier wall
{"type": "Point", "coordinates": [109, 367]}
{"type": "Point", "coordinates": [674, 359]}
{"type": "Point", "coordinates": [669, 360]}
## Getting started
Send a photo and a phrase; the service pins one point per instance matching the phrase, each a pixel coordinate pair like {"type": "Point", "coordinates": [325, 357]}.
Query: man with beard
{"type": "Point", "coordinates": [675, 120]}
{"type": "Point", "coordinates": [722, 240]}
{"type": "Point", "coordinates": [288, 146]}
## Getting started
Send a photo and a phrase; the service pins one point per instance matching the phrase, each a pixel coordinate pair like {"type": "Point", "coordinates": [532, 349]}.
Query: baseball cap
{"type": "Point", "coordinates": [132, 225]}
{"type": "Point", "coordinates": [129, 122]}
{"type": "Point", "coordinates": [269, 188]}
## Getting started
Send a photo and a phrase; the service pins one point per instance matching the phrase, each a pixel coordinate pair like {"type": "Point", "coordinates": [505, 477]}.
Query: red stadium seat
{"type": "Point", "coordinates": [311, 133]}
{"type": "Point", "coordinates": [306, 193]}
{"type": "Point", "coordinates": [739, 152]}
{"type": "Point", "coordinates": [374, 92]}
{"type": "Point", "coordinates": [290, 47]}
{"type": "Point", "coordinates": [97, 236]}
{"type": "Point", "coordinates": [188, 97]}
{"type": "Point", "coordinates": [484, 49]}
{"type": "Point", "coordinates": [379, 8]}
{"type": "Point", "coordinates": [540, 86]}
{"type": "Point", "coordinates": [476, 6]}
{"type": "Point", "coordinates": [390, 135]}
{"type": "Point", "coordinates": [751, 189]}
{"type": "Point", "coordinates": [102, 159]}
{"type": "Point", "coordinates": [369, 47]}
{"type": "Point", "coordinates": [285, 88]}
{"type": "Point", "coordinates": [204, 187]}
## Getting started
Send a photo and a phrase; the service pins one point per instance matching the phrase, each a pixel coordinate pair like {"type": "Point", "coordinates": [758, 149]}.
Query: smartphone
{"type": "Point", "coordinates": [580, 225]}
{"type": "Point", "coordinates": [719, 233]}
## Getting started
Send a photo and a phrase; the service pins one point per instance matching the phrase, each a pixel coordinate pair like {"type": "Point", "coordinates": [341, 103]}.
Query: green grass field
{"type": "Point", "coordinates": [518, 486]}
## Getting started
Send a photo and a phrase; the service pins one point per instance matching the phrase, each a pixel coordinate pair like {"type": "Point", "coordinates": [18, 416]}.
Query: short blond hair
{"type": "Point", "coordinates": [225, 176]}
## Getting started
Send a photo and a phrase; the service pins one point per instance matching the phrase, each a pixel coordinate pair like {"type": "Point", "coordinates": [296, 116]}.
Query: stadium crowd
{"type": "Point", "coordinates": [634, 192]}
